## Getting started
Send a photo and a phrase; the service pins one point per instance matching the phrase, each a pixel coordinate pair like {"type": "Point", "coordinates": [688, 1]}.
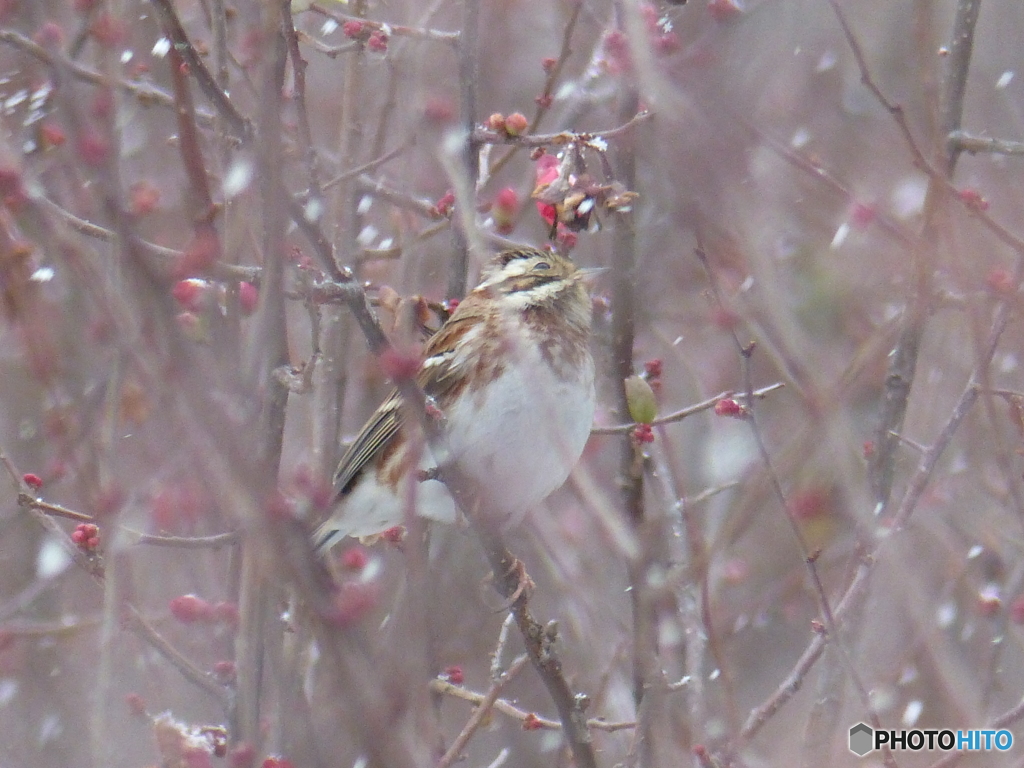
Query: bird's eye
{"type": "Point", "coordinates": [542, 265]}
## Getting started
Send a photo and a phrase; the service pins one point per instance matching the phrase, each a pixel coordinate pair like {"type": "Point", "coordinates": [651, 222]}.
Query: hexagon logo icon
{"type": "Point", "coordinates": [861, 739]}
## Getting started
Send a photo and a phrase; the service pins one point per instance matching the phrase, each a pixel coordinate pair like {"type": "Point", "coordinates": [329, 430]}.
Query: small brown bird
{"type": "Point", "coordinates": [512, 375]}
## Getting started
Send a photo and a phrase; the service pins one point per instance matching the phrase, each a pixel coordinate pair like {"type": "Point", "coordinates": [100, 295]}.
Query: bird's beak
{"type": "Point", "coordinates": [589, 274]}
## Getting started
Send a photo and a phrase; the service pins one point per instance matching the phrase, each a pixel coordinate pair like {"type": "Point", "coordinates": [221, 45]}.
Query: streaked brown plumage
{"type": "Point", "coordinates": [511, 372]}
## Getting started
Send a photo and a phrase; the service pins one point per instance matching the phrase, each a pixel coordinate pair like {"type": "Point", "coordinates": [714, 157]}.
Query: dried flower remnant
{"type": "Point", "coordinates": [571, 198]}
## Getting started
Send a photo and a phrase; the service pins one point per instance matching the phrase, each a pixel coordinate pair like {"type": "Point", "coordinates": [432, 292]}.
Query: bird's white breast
{"type": "Point", "coordinates": [521, 434]}
{"type": "Point", "coordinates": [518, 436]}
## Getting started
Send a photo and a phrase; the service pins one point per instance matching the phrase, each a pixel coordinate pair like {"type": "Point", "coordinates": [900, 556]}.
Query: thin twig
{"type": "Point", "coordinates": [507, 708]}
{"type": "Point", "coordinates": [398, 30]}
{"type": "Point", "coordinates": [690, 410]}
{"type": "Point", "coordinates": [903, 360]}
{"type": "Point", "coordinates": [466, 174]}
{"type": "Point", "coordinates": [331, 51]}
{"type": "Point", "coordinates": [146, 93]}
{"type": "Point", "coordinates": [544, 101]}
{"type": "Point", "coordinates": [861, 580]}
{"type": "Point", "coordinates": [831, 627]}
{"type": "Point", "coordinates": [188, 141]}
{"type": "Point", "coordinates": [93, 565]}
{"type": "Point", "coordinates": [499, 649]}
{"type": "Point", "coordinates": [351, 173]}
{"type": "Point", "coordinates": [623, 331]}
{"type": "Point", "coordinates": [511, 580]}
{"type": "Point", "coordinates": [487, 136]}
{"type": "Point", "coordinates": [216, 541]}
{"type": "Point", "coordinates": [169, 256]}
{"type": "Point", "coordinates": [482, 711]}
{"type": "Point", "coordinates": [309, 154]}
{"type": "Point", "coordinates": [137, 623]}
{"type": "Point", "coordinates": [965, 142]}
{"type": "Point", "coordinates": [954, 84]}
{"type": "Point", "coordinates": [239, 125]}
{"type": "Point", "coordinates": [370, 186]}
{"type": "Point", "coordinates": [31, 502]}
{"type": "Point", "coordinates": [815, 169]}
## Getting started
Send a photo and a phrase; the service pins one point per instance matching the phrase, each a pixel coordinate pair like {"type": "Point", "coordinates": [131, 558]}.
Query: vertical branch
{"type": "Point", "coordinates": [99, 725]}
{"type": "Point", "coordinates": [509, 580]}
{"type": "Point", "coordinates": [270, 342]}
{"type": "Point", "coordinates": [329, 390]}
{"type": "Point", "coordinates": [903, 361]}
{"type": "Point", "coordinates": [469, 42]}
{"type": "Point", "coordinates": [958, 62]}
{"type": "Point", "coordinates": [349, 144]}
{"type": "Point", "coordinates": [302, 114]}
{"type": "Point", "coordinates": [623, 331]}
{"type": "Point", "coordinates": [220, 42]}
{"type": "Point", "coordinates": [191, 152]}
{"type": "Point", "coordinates": [268, 352]}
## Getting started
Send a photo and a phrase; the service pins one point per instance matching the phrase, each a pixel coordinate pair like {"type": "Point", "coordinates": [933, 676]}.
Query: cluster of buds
{"type": "Point", "coordinates": [513, 125]}
{"type": "Point", "coordinates": [453, 674]}
{"type": "Point", "coordinates": [663, 40]}
{"type": "Point", "coordinates": [729, 406]}
{"type": "Point", "coordinates": [86, 536]}
{"type": "Point", "coordinates": [642, 433]}
{"type": "Point", "coordinates": [375, 36]}
{"type": "Point", "coordinates": [199, 297]}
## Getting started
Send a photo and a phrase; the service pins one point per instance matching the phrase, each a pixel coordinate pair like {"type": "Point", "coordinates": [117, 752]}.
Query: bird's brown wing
{"type": "Point", "coordinates": [440, 378]}
{"type": "Point", "coordinates": [372, 438]}
{"type": "Point", "coordinates": [436, 378]}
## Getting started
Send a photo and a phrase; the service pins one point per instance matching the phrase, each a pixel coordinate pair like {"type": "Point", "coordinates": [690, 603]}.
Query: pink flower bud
{"type": "Point", "coordinates": [248, 297]}
{"type": "Point", "coordinates": [352, 29]}
{"type": "Point", "coordinates": [516, 124]}
{"type": "Point", "coordinates": [189, 609]}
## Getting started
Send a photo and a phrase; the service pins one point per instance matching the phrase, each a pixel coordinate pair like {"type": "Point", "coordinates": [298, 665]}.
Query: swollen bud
{"type": "Point", "coordinates": [643, 407]}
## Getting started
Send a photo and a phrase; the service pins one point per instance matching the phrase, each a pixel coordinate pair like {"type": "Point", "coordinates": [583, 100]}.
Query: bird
{"type": "Point", "coordinates": [512, 376]}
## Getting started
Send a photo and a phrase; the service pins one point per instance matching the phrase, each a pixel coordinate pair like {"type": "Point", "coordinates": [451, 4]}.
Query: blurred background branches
{"type": "Point", "coordinates": [801, 506]}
